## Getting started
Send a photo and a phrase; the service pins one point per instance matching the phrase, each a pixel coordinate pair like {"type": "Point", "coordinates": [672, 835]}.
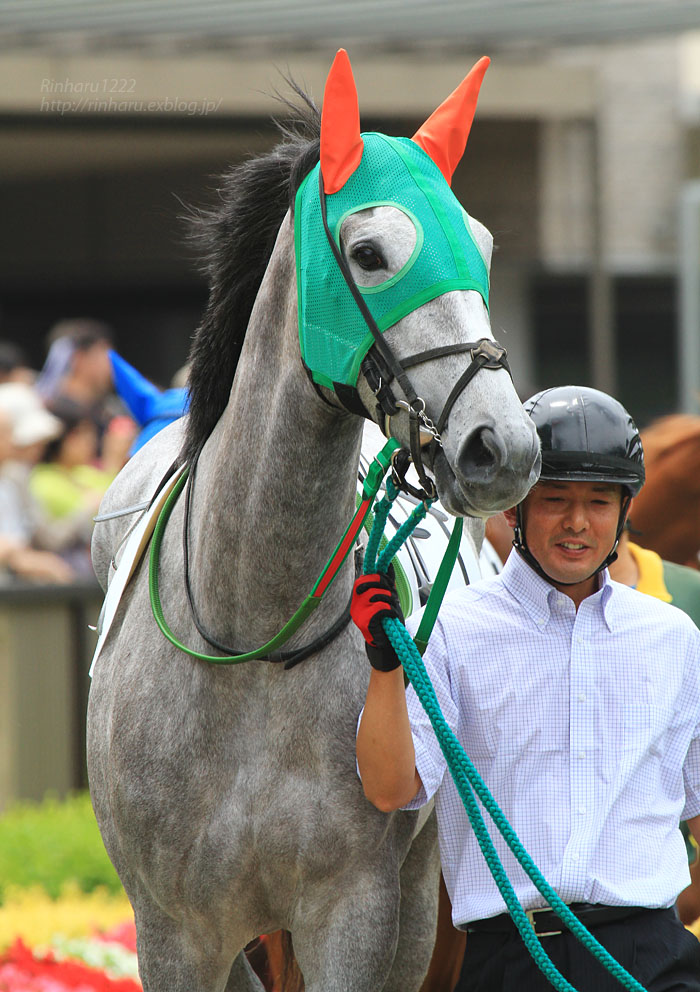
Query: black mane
{"type": "Point", "coordinates": [235, 241]}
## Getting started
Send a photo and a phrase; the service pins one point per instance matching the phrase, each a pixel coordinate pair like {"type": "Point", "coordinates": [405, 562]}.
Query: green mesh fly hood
{"type": "Point", "coordinates": [333, 335]}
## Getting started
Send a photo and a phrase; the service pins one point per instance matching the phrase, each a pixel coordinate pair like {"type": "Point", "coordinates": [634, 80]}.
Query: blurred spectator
{"type": "Point", "coordinates": [68, 487]}
{"type": "Point", "coordinates": [14, 365]}
{"type": "Point", "coordinates": [77, 369]}
{"type": "Point", "coordinates": [116, 444]}
{"type": "Point", "coordinates": [26, 546]}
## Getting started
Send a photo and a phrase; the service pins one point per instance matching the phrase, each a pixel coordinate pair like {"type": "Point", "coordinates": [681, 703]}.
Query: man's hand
{"type": "Point", "coordinates": [385, 753]}
{"type": "Point", "coordinates": [375, 597]}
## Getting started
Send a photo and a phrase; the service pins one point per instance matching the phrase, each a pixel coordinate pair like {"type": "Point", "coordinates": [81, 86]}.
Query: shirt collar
{"type": "Point", "coordinates": [537, 597]}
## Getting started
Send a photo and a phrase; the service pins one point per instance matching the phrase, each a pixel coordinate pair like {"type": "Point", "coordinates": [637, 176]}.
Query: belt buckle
{"type": "Point", "coordinates": [531, 914]}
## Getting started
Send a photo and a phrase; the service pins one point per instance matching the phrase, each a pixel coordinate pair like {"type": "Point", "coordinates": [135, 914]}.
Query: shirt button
{"type": "Point", "coordinates": [581, 697]}
{"type": "Point", "coordinates": [579, 640]}
{"type": "Point", "coordinates": [582, 810]}
{"type": "Point", "coordinates": [574, 857]}
{"type": "Point", "coordinates": [581, 755]}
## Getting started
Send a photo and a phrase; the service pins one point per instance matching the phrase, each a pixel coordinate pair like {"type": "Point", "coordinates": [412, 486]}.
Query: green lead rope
{"type": "Point", "coordinates": [305, 610]}
{"type": "Point", "coordinates": [376, 472]}
{"type": "Point", "coordinates": [437, 593]}
{"type": "Point", "coordinates": [370, 487]}
{"type": "Point", "coordinates": [468, 781]}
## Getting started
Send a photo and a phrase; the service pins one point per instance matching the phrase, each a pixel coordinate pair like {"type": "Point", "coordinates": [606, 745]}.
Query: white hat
{"type": "Point", "coordinates": [31, 421]}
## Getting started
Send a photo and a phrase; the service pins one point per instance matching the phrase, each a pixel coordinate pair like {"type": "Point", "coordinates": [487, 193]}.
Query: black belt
{"type": "Point", "coordinates": [546, 923]}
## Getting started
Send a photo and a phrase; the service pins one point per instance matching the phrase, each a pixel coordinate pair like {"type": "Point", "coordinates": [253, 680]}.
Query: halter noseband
{"type": "Point", "coordinates": [380, 367]}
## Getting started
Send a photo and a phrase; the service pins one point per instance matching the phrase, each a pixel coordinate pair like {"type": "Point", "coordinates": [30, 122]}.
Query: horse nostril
{"type": "Point", "coordinates": [482, 455]}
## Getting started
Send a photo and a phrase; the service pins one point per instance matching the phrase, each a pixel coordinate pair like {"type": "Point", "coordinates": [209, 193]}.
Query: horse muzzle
{"type": "Point", "coordinates": [488, 470]}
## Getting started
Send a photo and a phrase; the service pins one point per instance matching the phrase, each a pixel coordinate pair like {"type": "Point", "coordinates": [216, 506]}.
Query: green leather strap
{"type": "Point", "coordinates": [437, 593]}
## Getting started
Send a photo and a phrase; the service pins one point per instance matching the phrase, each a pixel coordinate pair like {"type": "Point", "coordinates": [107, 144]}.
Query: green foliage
{"type": "Point", "coordinates": [53, 843]}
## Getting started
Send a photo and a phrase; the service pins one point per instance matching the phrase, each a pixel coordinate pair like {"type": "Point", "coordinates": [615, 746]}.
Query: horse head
{"type": "Point", "coordinates": [393, 286]}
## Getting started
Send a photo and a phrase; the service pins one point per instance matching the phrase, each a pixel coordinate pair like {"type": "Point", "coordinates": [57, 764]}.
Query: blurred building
{"type": "Point", "coordinates": [587, 134]}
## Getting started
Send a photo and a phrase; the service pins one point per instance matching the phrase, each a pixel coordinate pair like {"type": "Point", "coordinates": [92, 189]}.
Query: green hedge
{"type": "Point", "coordinates": [51, 843]}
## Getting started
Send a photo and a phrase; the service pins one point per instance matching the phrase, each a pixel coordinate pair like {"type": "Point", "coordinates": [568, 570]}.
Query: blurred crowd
{"type": "Point", "coordinates": [64, 435]}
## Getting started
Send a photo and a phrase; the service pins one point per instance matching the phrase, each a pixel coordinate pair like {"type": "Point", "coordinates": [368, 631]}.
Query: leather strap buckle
{"type": "Point", "coordinates": [532, 915]}
{"type": "Point", "coordinates": [494, 354]}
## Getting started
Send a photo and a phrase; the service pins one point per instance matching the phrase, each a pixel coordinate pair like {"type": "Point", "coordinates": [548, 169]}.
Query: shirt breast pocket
{"type": "Point", "coordinates": [644, 727]}
{"type": "Point", "coordinates": [480, 739]}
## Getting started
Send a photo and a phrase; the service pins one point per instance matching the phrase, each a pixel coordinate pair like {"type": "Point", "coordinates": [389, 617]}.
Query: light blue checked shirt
{"type": "Point", "coordinates": [585, 727]}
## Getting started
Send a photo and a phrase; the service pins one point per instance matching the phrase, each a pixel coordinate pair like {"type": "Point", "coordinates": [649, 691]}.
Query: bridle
{"type": "Point", "coordinates": [380, 367]}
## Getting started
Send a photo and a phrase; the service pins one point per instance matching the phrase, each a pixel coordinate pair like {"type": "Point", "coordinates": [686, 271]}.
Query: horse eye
{"type": "Point", "coordinates": [367, 258]}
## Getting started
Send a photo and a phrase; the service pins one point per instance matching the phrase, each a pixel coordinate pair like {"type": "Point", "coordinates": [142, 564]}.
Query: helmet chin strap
{"type": "Point", "coordinates": [520, 545]}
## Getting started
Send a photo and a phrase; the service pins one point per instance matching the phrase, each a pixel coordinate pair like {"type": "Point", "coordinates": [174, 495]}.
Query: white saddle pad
{"type": "Point", "coordinates": [130, 557]}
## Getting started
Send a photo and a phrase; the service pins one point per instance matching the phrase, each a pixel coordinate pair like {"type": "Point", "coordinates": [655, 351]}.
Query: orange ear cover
{"type": "Point", "coordinates": [444, 134]}
{"type": "Point", "coordinates": [341, 144]}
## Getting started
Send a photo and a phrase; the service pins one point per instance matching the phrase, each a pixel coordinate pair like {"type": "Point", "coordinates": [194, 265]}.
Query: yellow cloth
{"type": "Point", "coordinates": [61, 492]}
{"type": "Point", "coordinates": [651, 572]}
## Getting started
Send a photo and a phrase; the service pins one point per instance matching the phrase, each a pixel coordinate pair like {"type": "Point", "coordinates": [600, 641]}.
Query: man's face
{"type": "Point", "coordinates": [94, 366]}
{"type": "Point", "coordinates": [570, 529]}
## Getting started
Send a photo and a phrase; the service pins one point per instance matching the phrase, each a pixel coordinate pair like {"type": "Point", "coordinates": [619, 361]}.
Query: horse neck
{"type": "Point", "coordinates": [276, 483]}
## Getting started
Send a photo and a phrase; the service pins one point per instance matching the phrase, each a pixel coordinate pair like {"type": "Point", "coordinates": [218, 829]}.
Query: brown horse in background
{"type": "Point", "coordinates": [665, 516]}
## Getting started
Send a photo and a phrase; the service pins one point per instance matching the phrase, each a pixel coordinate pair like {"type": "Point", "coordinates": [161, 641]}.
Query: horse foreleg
{"type": "Point", "coordinates": [174, 957]}
{"type": "Point", "coordinates": [345, 941]}
{"type": "Point", "coordinates": [420, 875]}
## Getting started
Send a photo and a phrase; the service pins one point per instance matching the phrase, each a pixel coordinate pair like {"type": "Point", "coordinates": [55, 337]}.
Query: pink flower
{"type": "Point", "coordinates": [123, 933]}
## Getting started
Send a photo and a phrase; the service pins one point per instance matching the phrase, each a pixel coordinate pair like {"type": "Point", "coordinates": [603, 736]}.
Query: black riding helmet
{"type": "Point", "coordinates": [585, 436]}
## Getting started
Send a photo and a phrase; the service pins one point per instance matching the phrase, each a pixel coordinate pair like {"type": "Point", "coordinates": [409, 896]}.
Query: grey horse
{"type": "Point", "coordinates": [227, 796]}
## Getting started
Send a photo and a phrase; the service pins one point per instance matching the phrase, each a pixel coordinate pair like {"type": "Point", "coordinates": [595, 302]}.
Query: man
{"type": "Point", "coordinates": [26, 543]}
{"type": "Point", "coordinates": [646, 571]}
{"type": "Point", "coordinates": [578, 700]}
{"type": "Point", "coordinates": [77, 372]}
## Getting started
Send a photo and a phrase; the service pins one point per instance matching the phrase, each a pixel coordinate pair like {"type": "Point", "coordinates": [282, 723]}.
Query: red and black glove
{"type": "Point", "coordinates": [373, 598]}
